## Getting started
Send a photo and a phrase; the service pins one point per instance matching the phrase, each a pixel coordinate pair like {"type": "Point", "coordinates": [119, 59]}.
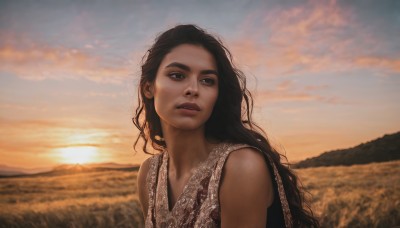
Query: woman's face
{"type": "Point", "coordinates": [186, 87]}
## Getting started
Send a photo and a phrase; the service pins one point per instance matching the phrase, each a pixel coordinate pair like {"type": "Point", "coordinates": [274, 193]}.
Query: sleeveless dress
{"type": "Point", "coordinates": [198, 204]}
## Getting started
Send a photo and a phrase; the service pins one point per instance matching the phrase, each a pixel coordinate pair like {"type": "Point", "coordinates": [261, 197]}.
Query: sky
{"type": "Point", "coordinates": [325, 75]}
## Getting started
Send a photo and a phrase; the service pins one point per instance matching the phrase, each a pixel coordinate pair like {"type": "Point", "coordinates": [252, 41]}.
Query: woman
{"type": "Point", "coordinates": [215, 169]}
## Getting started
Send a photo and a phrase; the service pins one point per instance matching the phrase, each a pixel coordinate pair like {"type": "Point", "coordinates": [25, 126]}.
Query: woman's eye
{"type": "Point", "coordinates": [208, 81]}
{"type": "Point", "coordinates": [176, 76]}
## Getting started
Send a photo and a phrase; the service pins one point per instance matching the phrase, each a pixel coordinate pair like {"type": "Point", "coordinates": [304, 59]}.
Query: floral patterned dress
{"type": "Point", "coordinates": [198, 205]}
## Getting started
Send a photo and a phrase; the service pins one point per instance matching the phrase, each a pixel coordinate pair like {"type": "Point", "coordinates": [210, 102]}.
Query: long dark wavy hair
{"type": "Point", "coordinates": [230, 120]}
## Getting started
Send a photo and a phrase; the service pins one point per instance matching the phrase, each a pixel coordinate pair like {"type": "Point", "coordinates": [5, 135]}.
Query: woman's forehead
{"type": "Point", "coordinates": [193, 56]}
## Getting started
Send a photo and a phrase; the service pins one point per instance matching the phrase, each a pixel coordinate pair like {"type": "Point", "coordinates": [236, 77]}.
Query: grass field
{"type": "Point", "coordinates": [356, 196]}
{"type": "Point", "coordinates": [94, 199]}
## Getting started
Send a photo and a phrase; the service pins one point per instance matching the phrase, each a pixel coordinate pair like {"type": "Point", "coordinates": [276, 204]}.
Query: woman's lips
{"type": "Point", "coordinates": [189, 106]}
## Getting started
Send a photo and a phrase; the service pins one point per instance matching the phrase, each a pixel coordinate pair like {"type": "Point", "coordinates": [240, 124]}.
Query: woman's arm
{"type": "Point", "coordinates": [246, 190]}
{"type": "Point", "coordinates": [142, 187]}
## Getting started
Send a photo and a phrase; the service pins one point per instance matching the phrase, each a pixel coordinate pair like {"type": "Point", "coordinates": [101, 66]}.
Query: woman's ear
{"type": "Point", "coordinates": [148, 90]}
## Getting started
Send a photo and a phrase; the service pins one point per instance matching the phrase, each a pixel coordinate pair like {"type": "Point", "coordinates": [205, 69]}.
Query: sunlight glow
{"type": "Point", "coordinates": [78, 155]}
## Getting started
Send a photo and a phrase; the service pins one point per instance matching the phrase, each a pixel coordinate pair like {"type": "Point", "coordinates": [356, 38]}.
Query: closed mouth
{"type": "Point", "coordinates": [189, 106]}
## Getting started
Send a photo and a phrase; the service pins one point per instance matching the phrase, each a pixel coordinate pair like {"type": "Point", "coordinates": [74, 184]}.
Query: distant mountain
{"type": "Point", "coordinates": [386, 148]}
{"type": "Point", "coordinates": [110, 165]}
{"type": "Point", "coordinates": [79, 167]}
{"type": "Point", "coordinates": [10, 173]}
{"type": "Point", "coordinates": [7, 171]}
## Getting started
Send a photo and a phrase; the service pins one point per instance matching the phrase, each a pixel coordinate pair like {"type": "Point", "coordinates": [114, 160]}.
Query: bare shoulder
{"type": "Point", "coordinates": [246, 163]}
{"type": "Point", "coordinates": [246, 189]}
{"type": "Point", "coordinates": [143, 170]}
{"type": "Point", "coordinates": [142, 186]}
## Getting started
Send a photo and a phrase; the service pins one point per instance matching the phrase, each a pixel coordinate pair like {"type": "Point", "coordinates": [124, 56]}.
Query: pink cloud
{"type": "Point", "coordinates": [274, 96]}
{"type": "Point", "coordinates": [39, 63]}
{"type": "Point", "coordinates": [319, 36]}
{"type": "Point", "coordinates": [288, 91]}
{"type": "Point", "coordinates": [392, 65]}
{"type": "Point", "coordinates": [24, 108]}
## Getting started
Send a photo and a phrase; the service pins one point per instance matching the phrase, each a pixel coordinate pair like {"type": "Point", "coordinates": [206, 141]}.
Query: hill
{"type": "Point", "coordinates": [386, 148]}
{"type": "Point", "coordinates": [68, 169]}
{"type": "Point", "coordinates": [6, 170]}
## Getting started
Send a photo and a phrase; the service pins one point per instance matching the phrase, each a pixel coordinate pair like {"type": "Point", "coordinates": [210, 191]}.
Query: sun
{"type": "Point", "coordinates": [79, 154]}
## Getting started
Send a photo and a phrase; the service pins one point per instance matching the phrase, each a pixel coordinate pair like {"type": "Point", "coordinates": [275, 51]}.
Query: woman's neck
{"type": "Point", "coordinates": [186, 149]}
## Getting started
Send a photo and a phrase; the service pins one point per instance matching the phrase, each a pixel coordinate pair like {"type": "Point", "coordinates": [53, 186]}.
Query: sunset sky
{"type": "Point", "coordinates": [325, 74]}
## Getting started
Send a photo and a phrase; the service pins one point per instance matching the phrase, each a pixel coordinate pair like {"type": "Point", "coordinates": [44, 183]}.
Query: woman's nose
{"type": "Point", "coordinates": [192, 88]}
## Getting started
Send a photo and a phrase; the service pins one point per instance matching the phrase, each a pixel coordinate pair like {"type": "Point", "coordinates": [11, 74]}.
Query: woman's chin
{"type": "Point", "coordinates": [188, 125]}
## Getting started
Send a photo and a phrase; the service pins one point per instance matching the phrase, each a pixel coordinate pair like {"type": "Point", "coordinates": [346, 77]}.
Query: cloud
{"type": "Point", "coordinates": [384, 63]}
{"type": "Point", "coordinates": [110, 95]}
{"type": "Point", "coordinates": [24, 108]}
{"type": "Point", "coordinates": [314, 37]}
{"type": "Point", "coordinates": [288, 91]}
{"type": "Point", "coordinates": [41, 136]}
{"type": "Point", "coordinates": [42, 62]}
{"type": "Point", "coordinates": [32, 142]}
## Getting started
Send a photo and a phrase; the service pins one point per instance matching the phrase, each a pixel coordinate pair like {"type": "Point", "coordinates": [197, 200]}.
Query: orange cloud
{"type": "Point", "coordinates": [319, 36]}
{"type": "Point", "coordinates": [289, 91]}
{"type": "Point", "coordinates": [38, 63]}
{"type": "Point", "coordinates": [39, 139]}
{"type": "Point", "coordinates": [274, 96]}
{"type": "Point", "coordinates": [291, 38]}
{"type": "Point", "coordinates": [37, 135]}
{"type": "Point", "coordinates": [24, 108]}
{"type": "Point", "coordinates": [378, 62]}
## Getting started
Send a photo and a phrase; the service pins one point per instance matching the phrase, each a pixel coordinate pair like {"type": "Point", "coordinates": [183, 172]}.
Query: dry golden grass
{"type": "Point", "coordinates": [356, 196]}
{"type": "Point", "coordinates": [94, 199]}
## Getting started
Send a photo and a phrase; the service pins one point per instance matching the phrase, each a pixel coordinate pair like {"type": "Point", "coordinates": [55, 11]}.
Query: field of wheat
{"type": "Point", "coordinates": [356, 196]}
{"type": "Point", "coordinates": [90, 199]}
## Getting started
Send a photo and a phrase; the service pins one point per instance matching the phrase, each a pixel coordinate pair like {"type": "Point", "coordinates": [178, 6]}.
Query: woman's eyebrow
{"type": "Point", "coordinates": [187, 68]}
{"type": "Point", "coordinates": [179, 65]}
